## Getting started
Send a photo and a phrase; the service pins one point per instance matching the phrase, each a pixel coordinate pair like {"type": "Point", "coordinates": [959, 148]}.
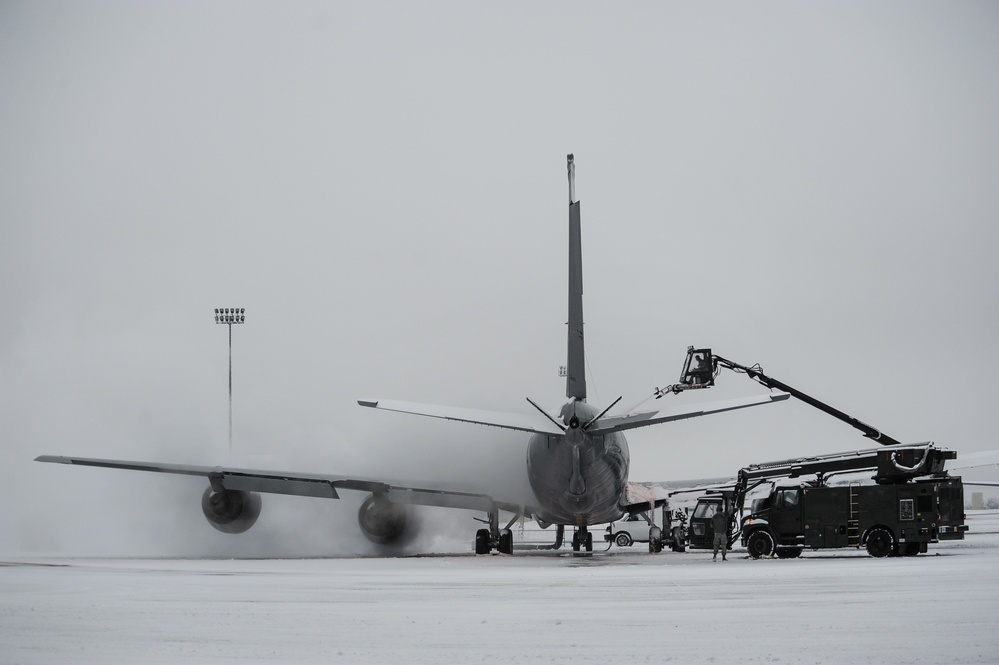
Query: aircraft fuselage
{"type": "Point", "coordinates": [578, 478]}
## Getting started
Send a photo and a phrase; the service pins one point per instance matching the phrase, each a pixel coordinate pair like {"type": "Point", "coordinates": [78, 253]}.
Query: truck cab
{"type": "Point", "coordinates": [700, 534]}
{"type": "Point", "coordinates": [784, 513]}
{"type": "Point", "coordinates": [778, 520]}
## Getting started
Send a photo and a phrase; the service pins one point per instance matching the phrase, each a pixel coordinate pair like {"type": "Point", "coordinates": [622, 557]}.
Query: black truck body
{"type": "Point", "coordinates": [888, 519]}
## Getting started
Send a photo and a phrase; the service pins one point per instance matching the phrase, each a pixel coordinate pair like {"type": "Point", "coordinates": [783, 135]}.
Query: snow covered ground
{"type": "Point", "coordinates": [621, 605]}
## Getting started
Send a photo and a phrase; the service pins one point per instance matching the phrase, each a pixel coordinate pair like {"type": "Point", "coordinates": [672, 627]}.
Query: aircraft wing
{"type": "Point", "coordinates": [306, 484]}
{"type": "Point", "coordinates": [619, 423]}
{"type": "Point", "coordinates": [526, 422]}
{"type": "Point", "coordinates": [973, 460]}
{"type": "Point", "coordinates": [642, 496]}
{"type": "Point", "coordinates": [696, 484]}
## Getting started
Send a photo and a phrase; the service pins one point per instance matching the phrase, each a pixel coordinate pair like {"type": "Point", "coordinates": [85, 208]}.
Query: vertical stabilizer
{"type": "Point", "coordinates": [575, 382]}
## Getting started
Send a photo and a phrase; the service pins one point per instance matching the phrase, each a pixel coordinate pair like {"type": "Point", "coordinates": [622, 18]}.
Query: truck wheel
{"type": "Point", "coordinates": [760, 543]}
{"type": "Point", "coordinates": [880, 542]}
{"type": "Point", "coordinates": [788, 552]}
{"type": "Point", "coordinates": [910, 549]}
{"type": "Point", "coordinates": [622, 540]}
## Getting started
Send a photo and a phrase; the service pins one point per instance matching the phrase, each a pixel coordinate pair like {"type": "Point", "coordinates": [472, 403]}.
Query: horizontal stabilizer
{"type": "Point", "coordinates": [619, 423]}
{"type": "Point", "coordinates": [527, 422]}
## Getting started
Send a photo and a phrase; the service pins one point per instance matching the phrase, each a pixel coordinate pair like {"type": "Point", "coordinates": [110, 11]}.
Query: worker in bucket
{"type": "Point", "coordinates": [719, 523]}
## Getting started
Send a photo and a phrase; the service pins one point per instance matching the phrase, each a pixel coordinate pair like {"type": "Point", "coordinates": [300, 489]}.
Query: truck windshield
{"type": "Point", "coordinates": [705, 509]}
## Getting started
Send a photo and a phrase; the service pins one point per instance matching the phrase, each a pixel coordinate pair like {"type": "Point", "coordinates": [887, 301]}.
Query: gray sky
{"type": "Point", "coordinates": [382, 186]}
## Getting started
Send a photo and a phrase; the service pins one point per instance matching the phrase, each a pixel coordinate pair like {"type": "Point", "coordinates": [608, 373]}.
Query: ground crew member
{"type": "Point", "coordinates": [719, 522]}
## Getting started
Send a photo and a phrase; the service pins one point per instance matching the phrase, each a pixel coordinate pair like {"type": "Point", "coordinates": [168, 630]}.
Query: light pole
{"type": "Point", "coordinates": [230, 316]}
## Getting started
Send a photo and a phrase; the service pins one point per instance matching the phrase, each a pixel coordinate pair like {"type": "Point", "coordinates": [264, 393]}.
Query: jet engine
{"type": "Point", "coordinates": [382, 521]}
{"type": "Point", "coordinates": [230, 511]}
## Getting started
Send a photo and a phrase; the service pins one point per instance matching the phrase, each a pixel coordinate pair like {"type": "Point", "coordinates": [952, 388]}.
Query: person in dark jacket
{"type": "Point", "coordinates": [719, 522]}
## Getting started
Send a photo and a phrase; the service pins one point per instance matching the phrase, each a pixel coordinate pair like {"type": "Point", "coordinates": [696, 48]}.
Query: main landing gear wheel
{"type": "Point", "coordinates": [880, 542]}
{"type": "Point", "coordinates": [506, 542]}
{"type": "Point", "coordinates": [482, 541]}
{"type": "Point", "coordinates": [760, 543]}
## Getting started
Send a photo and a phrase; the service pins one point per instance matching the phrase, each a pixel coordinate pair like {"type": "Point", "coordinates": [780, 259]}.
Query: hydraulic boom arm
{"type": "Point", "coordinates": [702, 366]}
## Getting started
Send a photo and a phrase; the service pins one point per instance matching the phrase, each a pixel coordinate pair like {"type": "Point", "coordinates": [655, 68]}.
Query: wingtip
{"type": "Point", "coordinates": [373, 403]}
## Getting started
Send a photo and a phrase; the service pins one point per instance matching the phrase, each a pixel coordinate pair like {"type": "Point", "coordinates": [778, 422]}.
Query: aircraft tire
{"type": "Point", "coordinates": [506, 542]}
{"type": "Point", "coordinates": [482, 541]}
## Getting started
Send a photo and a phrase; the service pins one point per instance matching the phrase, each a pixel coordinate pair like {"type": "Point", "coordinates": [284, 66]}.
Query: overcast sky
{"type": "Point", "coordinates": [811, 187]}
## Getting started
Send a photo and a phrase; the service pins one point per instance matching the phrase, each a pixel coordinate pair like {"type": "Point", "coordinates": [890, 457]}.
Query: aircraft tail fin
{"type": "Point", "coordinates": [575, 382]}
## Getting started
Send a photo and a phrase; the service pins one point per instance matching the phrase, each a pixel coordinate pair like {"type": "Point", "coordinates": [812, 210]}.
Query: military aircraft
{"type": "Point", "coordinates": [577, 462]}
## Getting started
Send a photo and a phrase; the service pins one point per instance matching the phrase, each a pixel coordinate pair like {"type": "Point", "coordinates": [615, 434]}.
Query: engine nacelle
{"type": "Point", "coordinates": [382, 521]}
{"type": "Point", "coordinates": [230, 511]}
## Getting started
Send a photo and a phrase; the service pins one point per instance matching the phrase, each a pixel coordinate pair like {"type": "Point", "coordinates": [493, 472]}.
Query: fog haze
{"type": "Point", "coordinates": [382, 186]}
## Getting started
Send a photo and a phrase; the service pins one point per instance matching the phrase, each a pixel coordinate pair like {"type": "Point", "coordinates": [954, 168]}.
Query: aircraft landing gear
{"type": "Point", "coordinates": [482, 541]}
{"type": "Point", "coordinates": [582, 538]}
{"type": "Point", "coordinates": [505, 542]}
{"type": "Point", "coordinates": [486, 540]}
{"type": "Point", "coordinates": [655, 540]}
{"type": "Point", "coordinates": [484, 544]}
